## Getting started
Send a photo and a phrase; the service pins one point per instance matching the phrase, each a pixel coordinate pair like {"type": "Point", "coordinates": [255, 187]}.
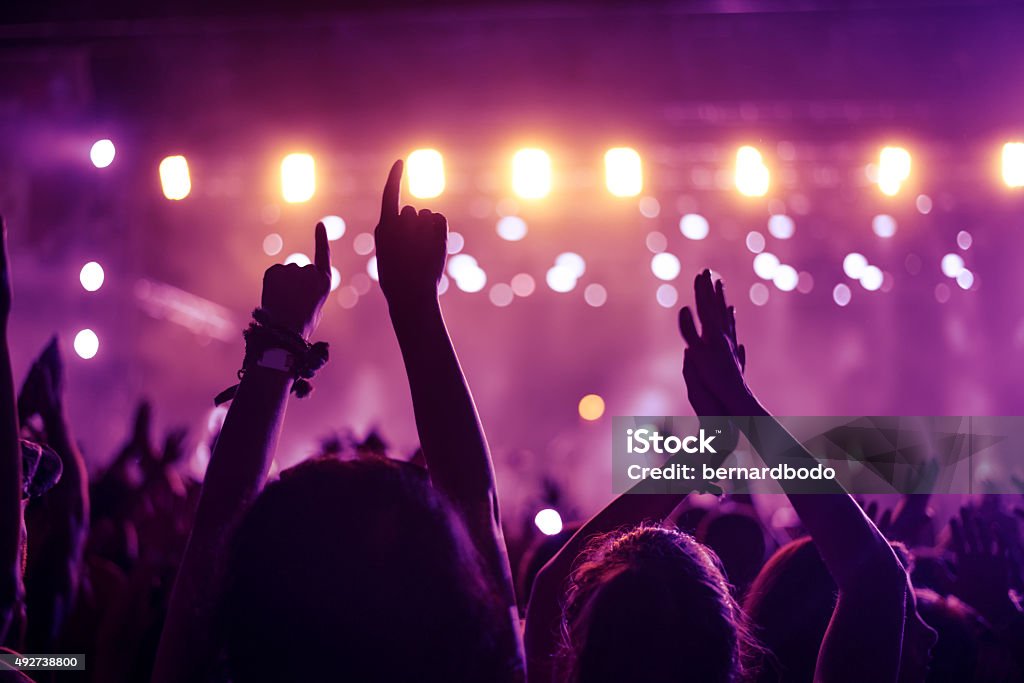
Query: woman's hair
{"type": "Point", "coordinates": [359, 570]}
{"type": "Point", "coordinates": [652, 604]}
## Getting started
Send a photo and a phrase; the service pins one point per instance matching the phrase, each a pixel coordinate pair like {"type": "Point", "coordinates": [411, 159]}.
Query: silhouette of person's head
{"type": "Point", "coordinates": [790, 605]}
{"type": "Point", "coordinates": [652, 604]}
{"type": "Point", "coordinates": [359, 570]}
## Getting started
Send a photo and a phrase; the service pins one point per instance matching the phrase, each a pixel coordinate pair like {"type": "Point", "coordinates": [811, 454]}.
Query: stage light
{"type": "Point", "coordinates": [272, 244]}
{"type": "Point", "coordinates": [472, 281]}
{"type": "Point", "coordinates": [623, 172]}
{"type": "Point", "coordinates": [893, 169]}
{"type": "Point", "coordinates": [871, 278]}
{"type": "Point", "coordinates": [591, 407]}
{"type": "Point", "coordinates": [335, 278]}
{"type": "Point", "coordinates": [573, 262]}
{"type": "Point", "coordinates": [781, 227]}
{"type": "Point", "coordinates": [785, 278]}
{"type": "Point", "coordinates": [595, 295]}
{"type": "Point", "coordinates": [665, 266]}
{"type": "Point", "coordinates": [459, 265]}
{"type": "Point", "coordinates": [765, 265]}
{"type": "Point", "coordinates": [667, 296]}
{"type": "Point", "coordinates": [952, 264]}
{"type": "Point", "coordinates": [86, 344]}
{"type": "Point", "coordinates": [335, 226]}
{"type": "Point", "coordinates": [371, 269]}
{"type": "Point", "coordinates": [531, 173]}
{"type": "Point", "coordinates": [841, 294]}
{"type": "Point", "coordinates": [854, 265]}
{"type": "Point", "coordinates": [425, 170]}
{"type": "Point", "coordinates": [549, 522]}
{"type": "Point", "coordinates": [363, 243]}
{"type": "Point", "coordinates": [883, 225]}
{"type": "Point", "coordinates": [752, 176]}
{"type": "Point", "coordinates": [102, 153]}
{"type": "Point", "coordinates": [523, 284]}
{"type": "Point", "coordinates": [174, 177]}
{"type": "Point", "coordinates": [501, 295]}
{"type": "Point", "coordinates": [964, 240]}
{"type": "Point", "coordinates": [298, 178]}
{"type": "Point", "coordinates": [560, 279]}
{"type": "Point", "coordinates": [694, 226]}
{"type": "Point", "coordinates": [1013, 164]}
{"type": "Point", "coordinates": [511, 228]}
{"type": "Point", "coordinates": [455, 242]}
{"type": "Point", "coordinates": [759, 294]}
{"type": "Point", "coordinates": [91, 276]}
{"type": "Point", "coordinates": [755, 242]}
{"type": "Point", "coordinates": [298, 259]}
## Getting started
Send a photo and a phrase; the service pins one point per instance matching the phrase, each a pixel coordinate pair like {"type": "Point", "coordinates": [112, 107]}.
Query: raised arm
{"type": "Point", "coordinates": [292, 300]}
{"type": "Point", "coordinates": [12, 590]}
{"type": "Point", "coordinates": [411, 249]}
{"type": "Point", "coordinates": [869, 616]}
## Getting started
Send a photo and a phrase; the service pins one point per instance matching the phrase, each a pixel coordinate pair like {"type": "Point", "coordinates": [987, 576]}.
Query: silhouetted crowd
{"type": "Point", "coordinates": [357, 565]}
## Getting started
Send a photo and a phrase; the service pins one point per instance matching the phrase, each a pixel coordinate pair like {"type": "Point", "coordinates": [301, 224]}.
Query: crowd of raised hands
{"type": "Point", "coordinates": [366, 567]}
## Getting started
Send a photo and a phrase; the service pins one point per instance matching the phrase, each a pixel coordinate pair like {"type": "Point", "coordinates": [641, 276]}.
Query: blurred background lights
{"type": "Point", "coordinates": [549, 522]}
{"type": "Point", "coordinates": [560, 279]}
{"type": "Point", "coordinates": [595, 295]}
{"type": "Point", "coordinates": [531, 173]}
{"type": "Point", "coordinates": [854, 265]}
{"type": "Point", "coordinates": [174, 177]}
{"type": "Point", "coordinates": [656, 242]}
{"type": "Point", "coordinates": [272, 244]}
{"type": "Point", "coordinates": [765, 265]}
{"type": "Point", "coordinates": [923, 204]}
{"type": "Point", "coordinates": [665, 266]}
{"type": "Point", "coordinates": [755, 242]}
{"type": "Point", "coordinates": [511, 228]}
{"type": "Point", "coordinates": [649, 207]}
{"type": "Point", "coordinates": [667, 296]}
{"type": "Point", "coordinates": [623, 173]}
{"type": "Point", "coordinates": [964, 240]}
{"type": "Point", "coordinates": [298, 178]}
{"type": "Point", "coordinates": [455, 242]}
{"type": "Point", "coordinates": [425, 170]}
{"type": "Point", "coordinates": [335, 278]}
{"type": "Point", "coordinates": [86, 344]}
{"type": "Point", "coordinates": [871, 278]}
{"type": "Point", "coordinates": [951, 265]}
{"type": "Point", "coordinates": [759, 294]}
{"type": "Point", "coordinates": [573, 262]}
{"type": "Point", "coordinates": [893, 169]}
{"type": "Point", "coordinates": [965, 279]}
{"type": "Point", "coordinates": [460, 264]}
{"type": "Point", "coordinates": [1013, 164]}
{"type": "Point", "coordinates": [523, 284]}
{"type": "Point", "coordinates": [371, 269]}
{"type": "Point", "coordinates": [883, 225]}
{"type": "Point", "coordinates": [501, 294]}
{"type": "Point", "coordinates": [841, 294]}
{"type": "Point", "coordinates": [298, 259]}
{"type": "Point", "coordinates": [91, 276]}
{"type": "Point", "coordinates": [694, 226]}
{"type": "Point", "coordinates": [781, 227]}
{"type": "Point", "coordinates": [363, 243]}
{"type": "Point", "coordinates": [785, 278]}
{"type": "Point", "coordinates": [591, 407]}
{"type": "Point", "coordinates": [102, 153]}
{"type": "Point", "coordinates": [472, 280]}
{"type": "Point", "coordinates": [752, 176]}
{"type": "Point", "coordinates": [335, 226]}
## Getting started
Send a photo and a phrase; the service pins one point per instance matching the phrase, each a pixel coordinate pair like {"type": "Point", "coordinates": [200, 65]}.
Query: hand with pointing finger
{"type": "Point", "coordinates": [294, 295]}
{"type": "Point", "coordinates": [411, 246]}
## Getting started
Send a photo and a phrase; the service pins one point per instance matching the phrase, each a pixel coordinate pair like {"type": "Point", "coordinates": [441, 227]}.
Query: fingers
{"type": "Point", "coordinates": [741, 354]}
{"type": "Point", "coordinates": [707, 304]}
{"type": "Point", "coordinates": [687, 328]}
{"type": "Point", "coordinates": [392, 189]}
{"type": "Point", "coordinates": [408, 212]}
{"type": "Point", "coordinates": [322, 255]}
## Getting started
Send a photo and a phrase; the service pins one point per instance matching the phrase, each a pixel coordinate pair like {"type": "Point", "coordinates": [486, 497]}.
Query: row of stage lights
{"type": "Point", "coordinates": [531, 172]}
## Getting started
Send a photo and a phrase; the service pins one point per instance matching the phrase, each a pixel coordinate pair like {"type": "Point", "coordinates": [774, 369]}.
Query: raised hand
{"type": "Point", "coordinates": [294, 295]}
{"type": "Point", "coordinates": [984, 566]}
{"type": "Point", "coordinates": [411, 246]}
{"type": "Point", "coordinates": [43, 391]}
{"type": "Point", "coordinates": [714, 361]}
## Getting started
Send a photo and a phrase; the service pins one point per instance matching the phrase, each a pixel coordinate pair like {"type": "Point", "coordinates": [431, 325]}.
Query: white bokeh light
{"type": "Point", "coordinates": [548, 521]}
{"type": "Point", "coordinates": [102, 153]}
{"type": "Point", "coordinates": [511, 228]}
{"type": "Point", "coordinates": [694, 226]}
{"type": "Point", "coordinates": [785, 278]}
{"type": "Point", "coordinates": [560, 279]}
{"type": "Point", "coordinates": [759, 294]}
{"type": "Point", "coordinates": [595, 295]}
{"type": "Point", "coordinates": [781, 227]}
{"type": "Point", "coordinates": [883, 225]}
{"type": "Point", "coordinates": [272, 244]}
{"type": "Point", "coordinates": [667, 296]}
{"type": "Point", "coordinates": [871, 278]}
{"type": "Point", "coordinates": [371, 268]}
{"type": "Point", "coordinates": [573, 262]}
{"type": "Point", "coordinates": [952, 264]}
{"type": "Point", "coordinates": [335, 226]}
{"type": "Point", "coordinates": [755, 242]}
{"type": "Point", "coordinates": [91, 276]}
{"type": "Point", "coordinates": [298, 259]}
{"type": "Point", "coordinates": [765, 265]}
{"type": "Point", "coordinates": [841, 294]}
{"type": "Point", "coordinates": [86, 344]}
{"type": "Point", "coordinates": [665, 266]}
{"type": "Point", "coordinates": [523, 284]}
{"type": "Point", "coordinates": [854, 265]}
{"type": "Point", "coordinates": [965, 279]}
